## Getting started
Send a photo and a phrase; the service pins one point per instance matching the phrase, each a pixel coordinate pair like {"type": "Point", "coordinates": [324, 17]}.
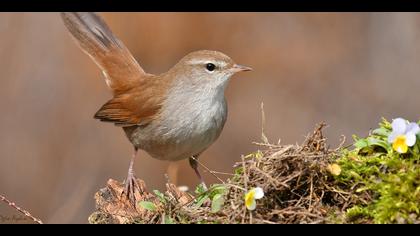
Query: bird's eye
{"type": "Point", "coordinates": [210, 66]}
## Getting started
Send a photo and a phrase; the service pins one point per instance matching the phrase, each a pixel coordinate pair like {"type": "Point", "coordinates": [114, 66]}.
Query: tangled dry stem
{"type": "Point", "coordinates": [296, 182]}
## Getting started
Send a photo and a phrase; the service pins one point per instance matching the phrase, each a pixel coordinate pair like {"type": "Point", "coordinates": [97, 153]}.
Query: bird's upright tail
{"type": "Point", "coordinates": [109, 53]}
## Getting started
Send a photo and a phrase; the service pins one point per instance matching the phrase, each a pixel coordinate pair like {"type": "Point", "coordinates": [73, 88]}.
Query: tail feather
{"type": "Point", "coordinates": [90, 30]}
{"type": "Point", "coordinates": [109, 53]}
{"type": "Point", "coordinates": [134, 101]}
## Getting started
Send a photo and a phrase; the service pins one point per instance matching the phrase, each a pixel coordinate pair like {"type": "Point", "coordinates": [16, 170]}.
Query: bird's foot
{"type": "Point", "coordinates": [130, 188]}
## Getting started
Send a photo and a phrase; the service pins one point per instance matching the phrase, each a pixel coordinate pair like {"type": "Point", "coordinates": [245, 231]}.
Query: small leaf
{"type": "Point", "coordinates": [201, 200]}
{"type": "Point", "coordinates": [217, 189]}
{"type": "Point", "coordinates": [381, 131]}
{"type": "Point", "coordinates": [217, 203]}
{"type": "Point", "coordinates": [385, 124]}
{"type": "Point", "coordinates": [168, 220]}
{"type": "Point", "coordinates": [377, 142]}
{"type": "Point", "coordinates": [160, 195]}
{"type": "Point", "coordinates": [200, 189]}
{"type": "Point", "coordinates": [258, 155]}
{"type": "Point", "coordinates": [148, 205]}
{"type": "Point", "coordinates": [361, 143]}
{"type": "Point", "coordinates": [239, 171]}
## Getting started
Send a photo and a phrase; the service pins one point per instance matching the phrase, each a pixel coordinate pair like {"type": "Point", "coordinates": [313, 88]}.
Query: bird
{"type": "Point", "coordinates": [172, 116]}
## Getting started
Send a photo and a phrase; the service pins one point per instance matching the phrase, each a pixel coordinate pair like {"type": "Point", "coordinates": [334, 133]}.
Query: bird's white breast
{"type": "Point", "coordinates": [191, 120]}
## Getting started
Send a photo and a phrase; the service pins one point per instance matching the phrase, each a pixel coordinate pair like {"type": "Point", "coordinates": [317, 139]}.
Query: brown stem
{"type": "Point", "coordinates": [19, 209]}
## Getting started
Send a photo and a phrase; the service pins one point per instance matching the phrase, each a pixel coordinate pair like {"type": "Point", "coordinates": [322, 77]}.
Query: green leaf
{"type": "Point", "coordinates": [382, 131]}
{"type": "Point", "coordinates": [148, 205]}
{"type": "Point", "coordinates": [200, 189]}
{"type": "Point", "coordinates": [217, 203]}
{"type": "Point", "coordinates": [361, 143]}
{"type": "Point", "coordinates": [201, 200]}
{"type": "Point", "coordinates": [259, 154]}
{"type": "Point", "coordinates": [239, 171]}
{"type": "Point", "coordinates": [217, 188]}
{"type": "Point", "coordinates": [384, 123]}
{"type": "Point", "coordinates": [168, 220]}
{"type": "Point", "coordinates": [377, 142]}
{"type": "Point", "coordinates": [160, 195]}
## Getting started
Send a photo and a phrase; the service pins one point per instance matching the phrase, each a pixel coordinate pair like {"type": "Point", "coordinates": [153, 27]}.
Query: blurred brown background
{"type": "Point", "coordinates": [348, 69]}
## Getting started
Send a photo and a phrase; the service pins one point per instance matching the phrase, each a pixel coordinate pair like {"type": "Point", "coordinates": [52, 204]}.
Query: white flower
{"type": "Point", "coordinates": [403, 135]}
{"type": "Point", "coordinates": [251, 195]}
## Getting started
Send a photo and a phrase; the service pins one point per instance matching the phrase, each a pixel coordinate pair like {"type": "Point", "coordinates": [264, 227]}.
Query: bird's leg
{"type": "Point", "coordinates": [194, 165]}
{"type": "Point", "coordinates": [131, 182]}
{"type": "Point", "coordinates": [172, 171]}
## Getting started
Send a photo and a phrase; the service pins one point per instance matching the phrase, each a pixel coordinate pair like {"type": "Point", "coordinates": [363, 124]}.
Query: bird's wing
{"type": "Point", "coordinates": [138, 106]}
{"type": "Point", "coordinates": [121, 70]}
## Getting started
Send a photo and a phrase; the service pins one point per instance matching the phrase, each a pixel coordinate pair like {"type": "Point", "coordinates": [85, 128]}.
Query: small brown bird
{"type": "Point", "coordinates": [172, 116]}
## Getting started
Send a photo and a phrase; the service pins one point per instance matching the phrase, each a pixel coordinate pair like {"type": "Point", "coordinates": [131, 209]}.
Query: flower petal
{"type": "Point", "coordinates": [251, 205]}
{"type": "Point", "coordinates": [399, 125]}
{"type": "Point", "coordinates": [400, 144]}
{"type": "Point", "coordinates": [410, 139]}
{"type": "Point", "coordinates": [249, 196]}
{"type": "Point", "coordinates": [259, 193]}
{"type": "Point", "coordinates": [392, 137]}
{"type": "Point", "coordinates": [402, 149]}
{"type": "Point", "coordinates": [413, 127]}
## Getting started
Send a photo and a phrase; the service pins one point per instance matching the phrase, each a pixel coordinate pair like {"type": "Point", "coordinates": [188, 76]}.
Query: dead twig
{"type": "Point", "coordinates": [19, 209]}
{"type": "Point", "coordinates": [207, 169]}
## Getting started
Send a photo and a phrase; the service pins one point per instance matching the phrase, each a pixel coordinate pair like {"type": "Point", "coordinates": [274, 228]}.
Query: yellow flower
{"type": "Point", "coordinates": [400, 144]}
{"type": "Point", "coordinates": [251, 195]}
{"type": "Point", "coordinates": [334, 169]}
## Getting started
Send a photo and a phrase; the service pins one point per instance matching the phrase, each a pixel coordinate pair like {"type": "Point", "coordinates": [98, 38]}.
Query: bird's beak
{"type": "Point", "coordinates": [238, 68]}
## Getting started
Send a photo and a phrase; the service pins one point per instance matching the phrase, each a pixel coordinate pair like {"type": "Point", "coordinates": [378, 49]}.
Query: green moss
{"type": "Point", "coordinates": [358, 214]}
{"type": "Point", "coordinates": [386, 182]}
{"type": "Point", "coordinates": [373, 184]}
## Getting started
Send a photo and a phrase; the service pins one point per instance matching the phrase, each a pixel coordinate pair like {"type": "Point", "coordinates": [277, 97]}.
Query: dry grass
{"type": "Point", "coordinates": [297, 185]}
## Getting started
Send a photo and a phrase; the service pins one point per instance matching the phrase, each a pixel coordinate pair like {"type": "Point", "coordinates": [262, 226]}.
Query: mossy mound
{"type": "Point", "coordinates": [386, 183]}
{"type": "Point", "coordinates": [307, 183]}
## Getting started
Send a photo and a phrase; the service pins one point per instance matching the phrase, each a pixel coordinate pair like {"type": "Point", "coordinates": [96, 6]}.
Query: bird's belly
{"type": "Point", "coordinates": [180, 147]}
{"type": "Point", "coordinates": [175, 139]}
